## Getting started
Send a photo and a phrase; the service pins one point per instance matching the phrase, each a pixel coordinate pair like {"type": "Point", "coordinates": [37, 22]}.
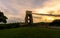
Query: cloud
{"type": "Point", "coordinates": [17, 8]}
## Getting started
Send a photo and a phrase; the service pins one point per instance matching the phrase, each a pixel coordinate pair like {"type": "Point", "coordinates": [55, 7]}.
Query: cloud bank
{"type": "Point", "coordinates": [16, 8]}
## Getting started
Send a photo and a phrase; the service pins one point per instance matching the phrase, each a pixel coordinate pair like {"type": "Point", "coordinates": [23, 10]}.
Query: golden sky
{"type": "Point", "coordinates": [15, 9]}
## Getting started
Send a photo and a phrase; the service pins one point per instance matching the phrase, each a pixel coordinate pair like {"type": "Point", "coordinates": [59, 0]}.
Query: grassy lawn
{"type": "Point", "coordinates": [29, 32]}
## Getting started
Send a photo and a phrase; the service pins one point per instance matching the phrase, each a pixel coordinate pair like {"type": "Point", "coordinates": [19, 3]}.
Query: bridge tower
{"type": "Point", "coordinates": [28, 17]}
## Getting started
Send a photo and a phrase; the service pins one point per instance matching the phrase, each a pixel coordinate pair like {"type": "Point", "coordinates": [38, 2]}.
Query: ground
{"type": "Point", "coordinates": [29, 32]}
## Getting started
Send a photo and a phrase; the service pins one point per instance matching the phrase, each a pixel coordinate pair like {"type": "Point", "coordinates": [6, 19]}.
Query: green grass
{"type": "Point", "coordinates": [29, 32]}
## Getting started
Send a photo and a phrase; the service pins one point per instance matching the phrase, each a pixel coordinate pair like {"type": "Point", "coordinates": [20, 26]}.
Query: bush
{"type": "Point", "coordinates": [55, 23]}
{"type": "Point", "coordinates": [8, 26]}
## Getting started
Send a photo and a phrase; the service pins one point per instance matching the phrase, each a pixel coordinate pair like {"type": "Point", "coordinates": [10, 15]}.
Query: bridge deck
{"type": "Point", "coordinates": [47, 14]}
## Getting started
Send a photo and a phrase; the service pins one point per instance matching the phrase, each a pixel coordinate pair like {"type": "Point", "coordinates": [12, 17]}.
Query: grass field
{"type": "Point", "coordinates": [29, 32]}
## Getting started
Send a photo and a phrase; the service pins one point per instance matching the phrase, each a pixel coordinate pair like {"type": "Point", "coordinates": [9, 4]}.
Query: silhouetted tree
{"type": "Point", "coordinates": [3, 18]}
{"type": "Point", "coordinates": [55, 22]}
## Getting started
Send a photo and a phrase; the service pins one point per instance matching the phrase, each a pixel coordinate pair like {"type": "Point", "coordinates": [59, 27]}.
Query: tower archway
{"type": "Point", "coordinates": [28, 17]}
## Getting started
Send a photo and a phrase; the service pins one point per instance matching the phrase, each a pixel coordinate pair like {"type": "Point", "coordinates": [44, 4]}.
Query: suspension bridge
{"type": "Point", "coordinates": [29, 17]}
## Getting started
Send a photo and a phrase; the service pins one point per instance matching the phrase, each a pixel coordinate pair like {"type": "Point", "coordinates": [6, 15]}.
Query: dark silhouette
{"type": "Point", "coordinates": [9, 26]}
{"type": "Point", "coordinates": [28, 18]}
{"type": "Point", "coordinates": [3, 18]}
{"type": "Point", "coordinates": [55, 23]}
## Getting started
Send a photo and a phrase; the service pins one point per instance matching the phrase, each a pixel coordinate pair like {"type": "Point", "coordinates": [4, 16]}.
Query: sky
{"type": "Point", "coordinates": [15, 9]}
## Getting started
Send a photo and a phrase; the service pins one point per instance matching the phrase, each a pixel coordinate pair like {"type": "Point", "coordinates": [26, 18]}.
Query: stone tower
{"type": "Point", "coordinates": [28, 17]}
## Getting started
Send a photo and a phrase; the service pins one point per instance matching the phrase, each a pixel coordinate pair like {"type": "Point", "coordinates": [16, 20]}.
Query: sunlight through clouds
{"type": "Point", "coordinates": [17, 8]}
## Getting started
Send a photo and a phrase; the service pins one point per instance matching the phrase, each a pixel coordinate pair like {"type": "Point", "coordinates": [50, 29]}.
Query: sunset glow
{"type": "Point", "coordinates": [51, 7]}
{"type": "Point", "coordinates": [17, 8]}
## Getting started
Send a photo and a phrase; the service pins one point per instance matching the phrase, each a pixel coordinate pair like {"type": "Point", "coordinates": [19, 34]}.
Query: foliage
{"type": "Point", "coordinates": [3, 18]}
{"type": "Point", "coordinates": [55, 22]}
{"type": "Point", "coordinates": [8, 26]}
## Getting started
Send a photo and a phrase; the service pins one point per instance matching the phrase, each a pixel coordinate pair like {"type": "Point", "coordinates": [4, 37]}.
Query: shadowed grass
{"type": "Point", "coordinates": [29, 32]}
